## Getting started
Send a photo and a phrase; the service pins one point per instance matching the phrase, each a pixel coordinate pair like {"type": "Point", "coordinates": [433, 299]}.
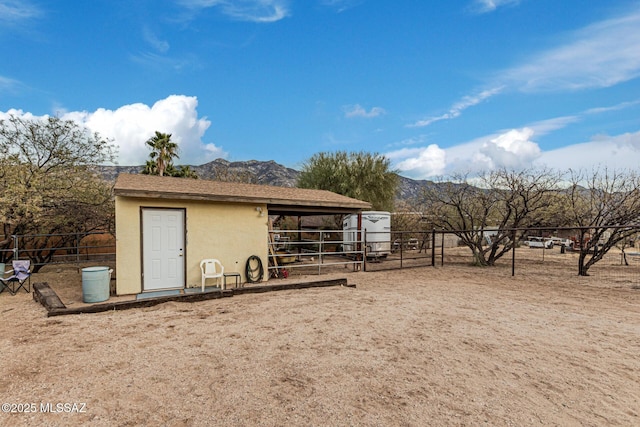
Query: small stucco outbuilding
{"type": "Point", "coordinates": [165, 226]}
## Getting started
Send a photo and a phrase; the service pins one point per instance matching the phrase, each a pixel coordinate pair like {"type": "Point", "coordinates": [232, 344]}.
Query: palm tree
{"type": "Point", "coordinates": [151, 168]}
{"type": "Point", "coordinates": [162, 149]}
{"type": "Point", "coordinates": [181, 171]}
{"type": "Point", "coordinates": [186, 172]}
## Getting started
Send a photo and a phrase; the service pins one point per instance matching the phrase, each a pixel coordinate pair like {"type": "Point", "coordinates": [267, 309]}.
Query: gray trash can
{"type": "Point", "coordinates": [95, 284]}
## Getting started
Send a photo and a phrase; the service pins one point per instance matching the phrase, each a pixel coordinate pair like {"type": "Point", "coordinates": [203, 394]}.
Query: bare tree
{"type": "Point", "coordinates": [46, 182]}
{"type": "Point", "coordinates": [606, 204]}
{"type": "Point", "coordinates": [483, 211]}
{"type": "Point", "coordinates": [409, 219]}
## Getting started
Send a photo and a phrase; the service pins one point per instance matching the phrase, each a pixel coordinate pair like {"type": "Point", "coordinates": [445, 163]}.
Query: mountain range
{"type": "Point", "coordinates": [261, 172]}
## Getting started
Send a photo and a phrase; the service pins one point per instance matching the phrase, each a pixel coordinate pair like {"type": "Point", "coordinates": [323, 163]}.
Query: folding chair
{"type": "Point", "coordinates": [21, 276]}
{"type": "Point", "coordinates": [2, 285]}
{"type": "Point", "coordinates": [212, 269]}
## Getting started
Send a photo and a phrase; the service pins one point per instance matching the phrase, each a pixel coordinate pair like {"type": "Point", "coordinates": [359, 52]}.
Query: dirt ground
{"type": "Point", "coordinates": [423, 346]}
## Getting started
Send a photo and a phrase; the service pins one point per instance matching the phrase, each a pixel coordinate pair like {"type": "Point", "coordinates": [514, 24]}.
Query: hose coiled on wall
{"type": "Point", "coordinates": [250, 272]}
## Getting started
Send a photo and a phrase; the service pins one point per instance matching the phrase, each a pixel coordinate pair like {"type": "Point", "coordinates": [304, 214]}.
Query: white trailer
{"type": "Point", "coordinates": [377, 225]}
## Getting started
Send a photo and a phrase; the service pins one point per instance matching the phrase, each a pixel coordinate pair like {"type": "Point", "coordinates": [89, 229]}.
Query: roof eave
{"type": "Point", "coordinates": [272, 203]}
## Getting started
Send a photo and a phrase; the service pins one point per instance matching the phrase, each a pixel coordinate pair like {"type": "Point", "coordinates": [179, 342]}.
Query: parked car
{"type": "Point", "coordinates": [538, 242]}
{"type": "Point", "coordinates": [559, 241]}
{"type": "Point", "coordinates": [412, 243]}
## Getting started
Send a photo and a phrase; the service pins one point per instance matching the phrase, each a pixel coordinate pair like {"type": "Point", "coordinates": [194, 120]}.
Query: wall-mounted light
{"type": "Point", "coordinates": [259, 210]}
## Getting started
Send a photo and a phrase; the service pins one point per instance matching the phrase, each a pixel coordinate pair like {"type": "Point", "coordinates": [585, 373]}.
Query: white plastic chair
{"type": "Point", "coordinates": [212, 269]}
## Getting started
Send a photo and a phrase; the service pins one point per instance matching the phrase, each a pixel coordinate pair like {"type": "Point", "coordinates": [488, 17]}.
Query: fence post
{"type": "Point", "coordinates": [364, 250]}
{"type": "Point", "coordinates": [513, 253]}
{"type": "Point", "coordinates": [16, 252]}
{"type": "Point", "coordinates": [77, 248]}
{"type": "Point", "coordinates": [401, 244]}
{"type": "Point", "coordinates": [433, 247]}
{"type": "Point", "coordinates": [321, 247]}
{"type": "Point", "coordinates": [442, 251]}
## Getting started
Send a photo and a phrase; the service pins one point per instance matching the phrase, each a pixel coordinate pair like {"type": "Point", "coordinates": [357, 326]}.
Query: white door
{"type": "Point", "coordinates": [162, 249]}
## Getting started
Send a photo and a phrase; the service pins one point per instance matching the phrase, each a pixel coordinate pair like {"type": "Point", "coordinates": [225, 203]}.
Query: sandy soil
{"type": "Point", "coordinates": [416, 347]}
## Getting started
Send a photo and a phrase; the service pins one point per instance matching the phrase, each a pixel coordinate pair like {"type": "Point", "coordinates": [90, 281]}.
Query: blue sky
{"type": "Point", "coordinates": [437, 86]}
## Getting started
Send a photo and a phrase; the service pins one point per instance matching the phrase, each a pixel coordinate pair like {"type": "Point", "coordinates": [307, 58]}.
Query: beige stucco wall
{"type": "Point", "coordinates": [230, 232]}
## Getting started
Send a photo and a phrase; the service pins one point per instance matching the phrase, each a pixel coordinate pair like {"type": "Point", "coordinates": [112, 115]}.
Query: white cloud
{"type": "Point", "coordinates": [512, 150]}
{"type": "Point", "coordinates": [340, 5]}
{"type": "Point", "coordinates": [9, 85]}
{"type": "Point", "coordinates": [614, 152]}
{"type": "Point", "coordinates": [411, 141]}
{"type": "Point", "coordinates": [600, 55]}
{"type": "Point", "coordinates": [131, 125]}
{"type": "Point", "coordinates": [150, 37]}
{"type": "Point", "coordinates": [162, 63]}
{"type": "Point", "coordinates": [484, 6]}
{"type": "Point", "coordinates": [617, 107]}
{"type": "Point", "coordinates": [245, 10]}
{"type": "Point", "coordinates": [543, 127]}
{"type": "Point", "coordinates": [457, 108]}
{"type": "Point", "coordinates": [15, 11]}
{"type": "Point", "coordinates": [358, 111]}
{"type": "Point", "coordinates": [18, 113]}
{"type": "Point", "coordinates": [420, 162]}
{"type": "Point", "coordinates": [515, 149]}
{"type": "Point", "coordinates": [466, 157]}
